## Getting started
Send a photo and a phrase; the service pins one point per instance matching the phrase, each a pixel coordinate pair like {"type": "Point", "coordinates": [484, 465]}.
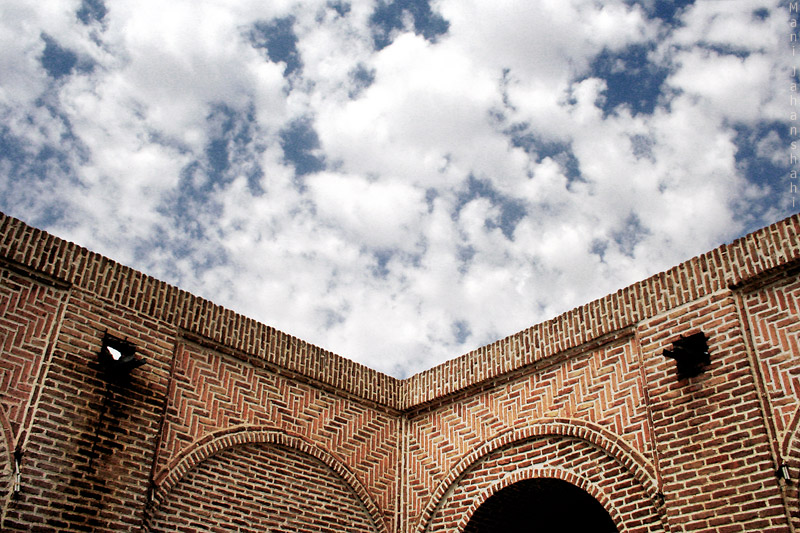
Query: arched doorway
{"type": "Point", "coordinates": [541, 505]}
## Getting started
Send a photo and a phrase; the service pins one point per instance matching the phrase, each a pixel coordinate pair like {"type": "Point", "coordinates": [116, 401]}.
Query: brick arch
{"type": "Point", "coordinates": [218, 441]}
{"type": "Point", "coordinates": [641, 469]}
{"type": "Point", "coordinates": [610, 444]}
{"type": "Point", "coordinates": [543, 473]}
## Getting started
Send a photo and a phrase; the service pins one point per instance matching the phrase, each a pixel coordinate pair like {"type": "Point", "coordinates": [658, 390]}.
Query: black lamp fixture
{"type": "Point", "coordinates": [118, 357]}
{"type": "Point", "coordinates": [690, 354]}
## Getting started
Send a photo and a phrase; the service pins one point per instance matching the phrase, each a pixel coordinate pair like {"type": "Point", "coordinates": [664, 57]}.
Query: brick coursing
{"type": "Point", "coordinates": [233, 425]}
{"type": "Point", "coordinates": [712, 442]}
{"type": "Point", "coordinates": [256, 488]}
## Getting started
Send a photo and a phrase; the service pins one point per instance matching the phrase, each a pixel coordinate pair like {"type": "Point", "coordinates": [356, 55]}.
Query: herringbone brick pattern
{"type": "Point", "coordinates": [214, 391]}
{"type": "Point", "coordinates": [601, 387]}
{"type": "Point", "coordinates": [774, 314]}
{"type": "Point", "coordinates": [28, 315]}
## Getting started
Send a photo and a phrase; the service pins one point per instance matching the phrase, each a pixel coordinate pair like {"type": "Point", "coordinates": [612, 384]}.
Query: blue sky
{"type": "Point", "coordinates": [397, 181]}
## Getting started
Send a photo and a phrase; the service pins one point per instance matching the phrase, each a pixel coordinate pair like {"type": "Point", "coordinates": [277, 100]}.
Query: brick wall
{"type": "Point", "coordinates": [30, 311]}
{"type": "Point", "coordinates": [233, 425]}
{"type": "Point", "coordinates": [214, 394]}
{"type": "Point", "coordinates": [86, 459]}
{"type": "Point", "coordinates": [597, 391]}
{"type": "Point", "coordinates": [707, 447]}
{"type": "Point", "coordinates": [111, 456]}
{"type": "Point", "coordinates": [713, 448]}
{"type": "Point", "coordinates": [772, 320]}
{"type": "Point", "coordinates": [256, 488]}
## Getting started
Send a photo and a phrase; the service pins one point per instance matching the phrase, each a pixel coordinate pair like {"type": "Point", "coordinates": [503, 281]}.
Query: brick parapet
{"type": "Point", "coordinates": [727, 266]}
{"type": "Point", "coordinates": [67, 264]}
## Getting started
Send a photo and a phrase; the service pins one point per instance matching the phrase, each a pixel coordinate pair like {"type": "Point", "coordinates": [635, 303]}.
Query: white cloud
{"type": "Point", "coordinates": [551, 40]}
{"type": "Point", "coordinates": [472, 185]}
{"type": "Point", "coordinates": [733, 24]}
{"type": "Point", "coordinates": [728, 86]}
{"type": "Point", "coordinates": [380, 214]}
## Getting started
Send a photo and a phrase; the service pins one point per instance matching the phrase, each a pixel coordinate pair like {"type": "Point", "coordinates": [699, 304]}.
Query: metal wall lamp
{"type": "Point", "coordinates": [690, 354]}
{"type": "Point", "coordinates": [118, 358]}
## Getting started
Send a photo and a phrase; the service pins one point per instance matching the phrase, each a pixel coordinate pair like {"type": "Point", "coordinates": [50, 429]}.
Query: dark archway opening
{"type": "Point", "coordinates": [541, 506]}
